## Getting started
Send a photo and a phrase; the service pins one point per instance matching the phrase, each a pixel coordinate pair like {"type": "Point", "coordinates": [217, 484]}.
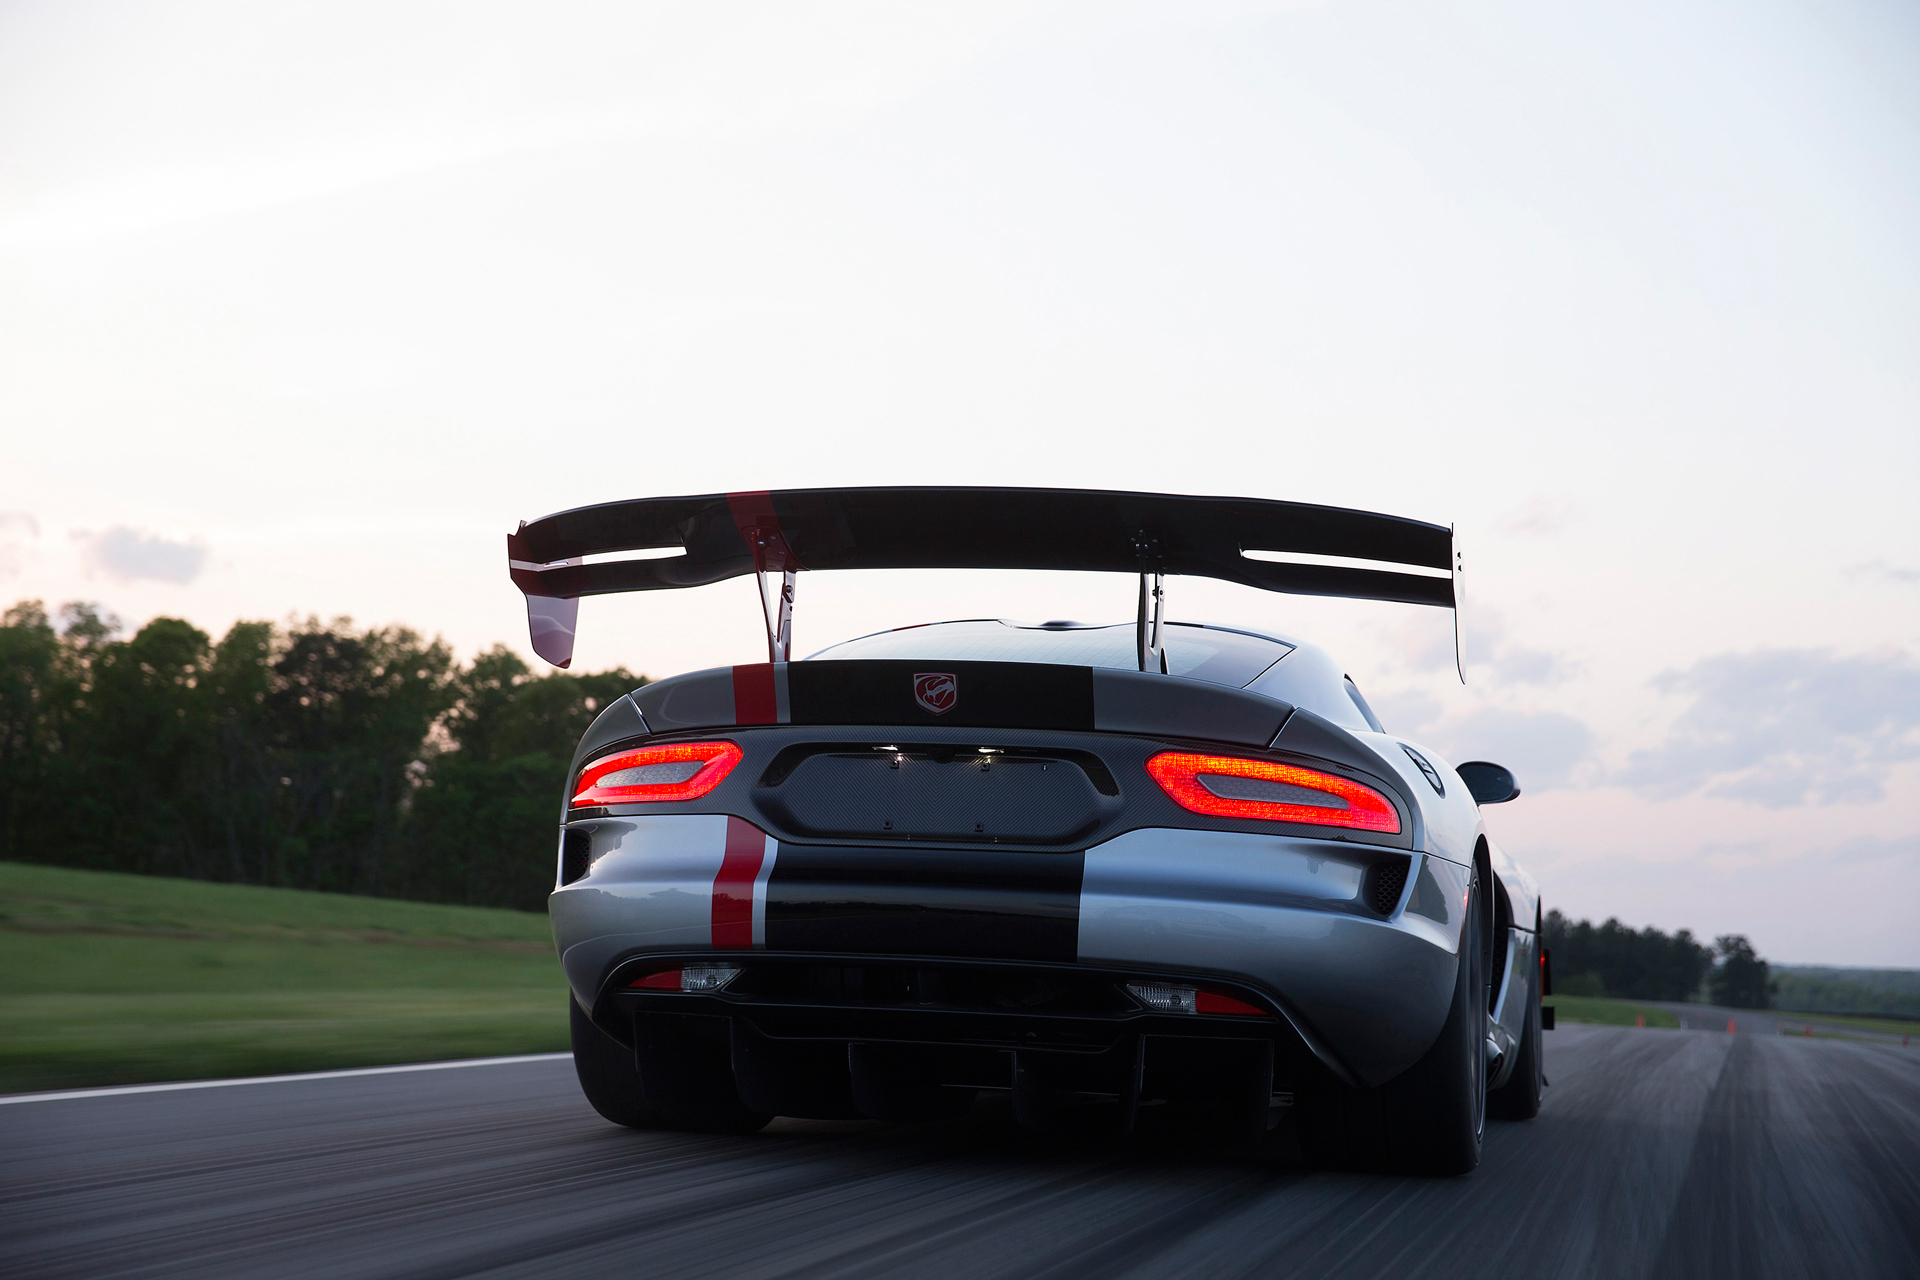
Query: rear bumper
{"type": "Point", "coordinates": [1281, 918]}
{"type": "Point", "coordinates": [1057, 1009]}
{"type": "Point", "coordinates": [836, 1036]}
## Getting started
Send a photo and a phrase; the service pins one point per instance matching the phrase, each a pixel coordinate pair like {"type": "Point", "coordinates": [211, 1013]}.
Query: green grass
{"type": "Point", "coordinates": [116, 979]}
{"type": "Point", "coordinates": [1896, 1026]}
{"type": "Point", "coordinates": [1608, 1013]}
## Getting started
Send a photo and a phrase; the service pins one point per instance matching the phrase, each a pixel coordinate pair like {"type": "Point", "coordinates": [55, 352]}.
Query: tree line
{"type": "Point", "coordinates": [1611, 959]}
{"type": "Point", "coordinates": [1891, 993]}
{"type": "Point", "coordinates": [313, 755]}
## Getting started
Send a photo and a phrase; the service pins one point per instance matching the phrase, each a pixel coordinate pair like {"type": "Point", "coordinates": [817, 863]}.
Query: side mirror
{"type": "Point", "coordinates": [1488, 783]}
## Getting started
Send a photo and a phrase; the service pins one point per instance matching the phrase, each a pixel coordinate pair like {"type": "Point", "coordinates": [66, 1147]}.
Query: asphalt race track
{"type": "Point", "coordinates": [1659, 1153]}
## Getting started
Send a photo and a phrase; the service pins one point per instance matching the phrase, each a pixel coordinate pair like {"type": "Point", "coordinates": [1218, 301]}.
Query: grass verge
{"type": "Point", "coordinates": [1608, 1013]}
{"type": "Point", "coordinates": [118, 979]}
{"type": "Point", "coordinates": [1891, 1026]}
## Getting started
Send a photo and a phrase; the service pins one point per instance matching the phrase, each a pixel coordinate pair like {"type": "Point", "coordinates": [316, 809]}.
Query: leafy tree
{"type": "Point", "coordinates": [39, 693]}
{"type": "Point", "coordinates": [1615, 960]}
{"type": "Point", "coordinates": [1580, 984]}
{"type": "Point", "coordinates": [348, 715]}
{"type": "Point", "coordinates": [316, 755]}
{"type": "Point", "coordinates": [488, 808]}
{"type": "Point", "coordinates": [1740, 980]}
{"type": "Point", "coordinates": [1821, 989]}
{"type": "Point", "coordinates": [137, 742]}
{"type": "Point", "coordinates": [239, 779]}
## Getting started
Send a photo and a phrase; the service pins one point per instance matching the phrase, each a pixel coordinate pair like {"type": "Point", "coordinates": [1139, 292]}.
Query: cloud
{"type": "Point", "coordinates": [130, 556]}
{"type": "Point", "coordinates": [17, 528]}
{"type": "Point", "coordinates": [1405, 711]}
{"type": "Point", "coordinates": [339, 119]}
{"type": "Point", "coordinates": [1877, 849]}
{"type": "Point", "coordinates": [1487, 646]}
{"type": "Point", "coordinates": [1783, 727]}
{"type": "Point", "coordinates": [1519, 665]}
{"type": "Point", "coordinates": [1543, 748]}
{"type": "Point", "coordinates": [1540, 518]}
{"type": "Point", "coordinates": [1735, 856]}
{"type": "Point", "coordinates": [1744, 855]}
{"type": "Point", "coordinates": [1885, 572]}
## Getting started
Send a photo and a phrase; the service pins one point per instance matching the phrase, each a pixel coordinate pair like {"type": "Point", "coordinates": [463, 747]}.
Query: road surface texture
{"type": "Point", "coordinates": [1659, 1153]}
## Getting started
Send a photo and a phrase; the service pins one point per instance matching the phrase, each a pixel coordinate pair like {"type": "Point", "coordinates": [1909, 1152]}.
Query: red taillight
{"type": "Point", "coordinates": [1271, 792]}
{"type": "Point", "coordinates": [651, 775]}
{"type": "Point", "coordinates": [1206, 1001]}
{"type": "Point", "coordinates": [1172, 997]}
{"type": "Point", "coordinates": [697, 978]}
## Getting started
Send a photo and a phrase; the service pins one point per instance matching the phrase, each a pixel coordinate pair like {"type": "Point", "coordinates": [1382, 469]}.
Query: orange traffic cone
{"type": "Point", "coordinates": [1729, 1026]}
{"type": "Point", "coordinates": [1639, 1019]}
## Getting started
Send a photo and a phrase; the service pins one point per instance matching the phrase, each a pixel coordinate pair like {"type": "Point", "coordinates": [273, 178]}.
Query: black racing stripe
{"type": "Point", "coordinates": [974, 903]}
{"type": "Point", "coordinates": [995, 695]}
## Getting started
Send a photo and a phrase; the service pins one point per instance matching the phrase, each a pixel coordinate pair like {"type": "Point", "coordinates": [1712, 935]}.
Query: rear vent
{"type": "Point", "coordinates": [575, 846]}
{"type": "Point", "coordinates": [1384, 883]}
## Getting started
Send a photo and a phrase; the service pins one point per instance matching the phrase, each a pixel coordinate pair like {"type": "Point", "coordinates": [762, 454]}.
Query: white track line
{"type": "Point", "coordinates": [9, 1099]}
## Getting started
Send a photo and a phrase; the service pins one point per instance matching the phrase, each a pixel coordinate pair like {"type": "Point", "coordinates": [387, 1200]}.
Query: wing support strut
{"type": "Point", "coordinates": [1149, 629]}
{"type": "Point", "coordinates": [1148, 633]}
{"type": "Point", "coordinates": [779, 615]}
{"type": "Point", "coordinates": [776, 602]}
{"type": "Point", "coordinates": [1459, 606]}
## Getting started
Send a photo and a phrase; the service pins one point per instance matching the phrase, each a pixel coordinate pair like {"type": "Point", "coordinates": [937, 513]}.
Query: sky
{"type": "Point", "coordinates": [303, 307]}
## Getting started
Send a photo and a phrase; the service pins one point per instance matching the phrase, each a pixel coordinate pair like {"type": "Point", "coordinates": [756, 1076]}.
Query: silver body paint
{"type": "Point", "coordinates": [651, 890]}
{"type": "Point", "coordinates": [1368, 994]}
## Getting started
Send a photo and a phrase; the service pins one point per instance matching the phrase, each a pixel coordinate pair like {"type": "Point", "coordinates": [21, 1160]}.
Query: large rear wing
{"type": "Point", "coordinates": [1276, 546]}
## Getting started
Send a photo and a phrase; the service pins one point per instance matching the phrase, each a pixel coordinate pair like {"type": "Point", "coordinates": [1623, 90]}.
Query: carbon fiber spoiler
{"type": "Point", "coordinates": [1276, 546]}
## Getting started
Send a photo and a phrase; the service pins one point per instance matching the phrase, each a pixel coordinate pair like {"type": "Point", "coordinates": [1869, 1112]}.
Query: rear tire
{"type": "Point", "coordinates": [702, 1099]}
{"type": "Point", "coordinates": [1430, 1118]}
{"type": "Point", "coordinates": [1519, 1097]}
{"type": "Point", "coordinates": [607, 1073]}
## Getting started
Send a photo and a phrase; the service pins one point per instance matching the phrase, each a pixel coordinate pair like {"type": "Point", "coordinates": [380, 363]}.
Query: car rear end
{"type": "Point", "coordinates": [872, 887]}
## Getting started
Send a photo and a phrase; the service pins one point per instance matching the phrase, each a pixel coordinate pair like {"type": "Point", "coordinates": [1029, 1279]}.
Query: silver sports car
{"type": "Point", "coordinates": [1156, 873]}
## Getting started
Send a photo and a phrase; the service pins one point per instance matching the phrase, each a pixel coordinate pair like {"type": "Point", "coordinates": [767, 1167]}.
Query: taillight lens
{"type": "Point", "coordinates": [1230, 787]}
{"type": "Point", "coordinates": [1168, 997]}
{"type": "Point", "coordinates": [700, 977]}
{"type": "Point", "coordinates": [651, 775]}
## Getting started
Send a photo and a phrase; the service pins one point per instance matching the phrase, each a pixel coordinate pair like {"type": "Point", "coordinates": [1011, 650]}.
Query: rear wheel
{"type": "Point", "coordinates": [687, 1068]}
{"type": "Point", "coordinates": [1429, 1118]}
{"type": "Point", "coordinates": [1519, 1097]}
{"type": "Point", "coordinates": [607, 1073]}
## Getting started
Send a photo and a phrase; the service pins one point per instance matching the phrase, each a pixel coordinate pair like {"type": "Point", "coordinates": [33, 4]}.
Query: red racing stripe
{"type": "Point", "coordinates": [754, 701]}
{"type": "Point", "coordinates": [733, 887]}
